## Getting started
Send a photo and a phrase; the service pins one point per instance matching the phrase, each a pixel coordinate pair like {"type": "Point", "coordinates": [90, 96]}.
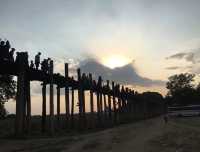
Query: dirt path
{"type": "Point", "coordinates": [129, 137]}
{"type": "Point", "coordinates": [132, 137]}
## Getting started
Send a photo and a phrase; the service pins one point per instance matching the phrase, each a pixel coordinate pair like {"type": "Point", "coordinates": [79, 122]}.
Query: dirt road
{"type": "Point", "coordinates": [144, 136]}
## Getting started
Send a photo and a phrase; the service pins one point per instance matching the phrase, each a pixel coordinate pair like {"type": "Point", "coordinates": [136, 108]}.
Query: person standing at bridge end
{"type": "Point", "coordinates": [166, 118]}
{"type": "Point", "coordinates": [37, 60]}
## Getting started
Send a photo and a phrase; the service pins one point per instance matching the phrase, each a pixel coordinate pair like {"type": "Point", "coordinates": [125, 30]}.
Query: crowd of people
{"type": "Point", "coordinates": [7, 54]}
{"type": "Point", "coordinates": [44, 64]}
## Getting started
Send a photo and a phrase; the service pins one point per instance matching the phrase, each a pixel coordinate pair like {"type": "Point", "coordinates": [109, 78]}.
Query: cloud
{"type": "Point", "coordinates": [192, 58]}
{"type": "Point", "coordinates": [173, 68]}
{"type": "Point", "coordinates": [179, 67]}
{"type": "Point", "coordinates": [124, 75]}
{"type": "Point", "coordinates": [186, 56]}
{"type": "Point", "coordinates": [177, 56]}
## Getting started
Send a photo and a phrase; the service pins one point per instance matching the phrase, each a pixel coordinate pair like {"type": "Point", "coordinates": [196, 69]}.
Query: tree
{"type": "Point", "coordinates": [181, 90]}
{"type": "Point", "coordinates": [7, 91]}
{"type": "Point", "coordinates": [180, 81]}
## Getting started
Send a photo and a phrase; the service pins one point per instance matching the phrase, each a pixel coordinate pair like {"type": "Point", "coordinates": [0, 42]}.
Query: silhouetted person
{"type": "Point", "coordinates": [32, 64]}
{"type": "Point", "coordinates": [37, 60]}
{"type": "Point", "coordinates": [166, 118]}
{"type": "Point", "coordinates": [7, 48]}
{"type": "Point", "coordinates": [2, 50]}
{"type": "Point", "coordinates": [48, 64]}
{"type": "Point", "coordinates": [11, 55]}
{"type": "Point", "coordinates": [44, 65]}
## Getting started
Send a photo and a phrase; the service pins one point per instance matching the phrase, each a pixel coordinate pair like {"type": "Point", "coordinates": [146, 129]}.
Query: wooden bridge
{"type": "Point", "coordinates": [113, 101]}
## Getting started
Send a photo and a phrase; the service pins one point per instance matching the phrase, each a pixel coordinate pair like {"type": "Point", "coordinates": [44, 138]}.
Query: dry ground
{"type": "Point", "coordinates": [179, 135]}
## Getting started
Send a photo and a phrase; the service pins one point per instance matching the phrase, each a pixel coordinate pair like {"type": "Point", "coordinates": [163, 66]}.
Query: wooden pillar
{"type": "Point", "coordinates": [114, 102]}
{"type": "Point", "coordinates": [43, 107]}
{"type": "Point", "coordinates": [51, 99]}
{"type": "Point", "coordinates": [109, 102]}
{"type": "Point", "coordinates": [58, 106]}
{"type": "Point", "coordinates": [83, 108]}
{"type": "Point", "coordinates": [100, 96]}
{"type": "Point", "coordinates": [72, 107]}
{"type": "Point", "coordinates": [67, 95]}
{"type": "Point", "coordinates": [91, 96]}
{"type": "Point", "coordinates": [119, 105]}
{"type": "Point", "coordinates": [105, 106]}
{"type": "Point", "coordinates": [22, 61]}
{"type": "Point", "coordinates": [92, 122]}
{"type": "Point", "coordinates": [80, 101]}
{"type": "Point", "coordinates": [28, 107]}
{"type": "Point", "coordinates": [83, 95]}
{"type": "Point", "coordinates": [98, 107]}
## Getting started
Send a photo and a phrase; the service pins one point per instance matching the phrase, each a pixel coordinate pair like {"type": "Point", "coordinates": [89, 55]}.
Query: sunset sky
{"type": "Point", "coordinates": [157, 38]}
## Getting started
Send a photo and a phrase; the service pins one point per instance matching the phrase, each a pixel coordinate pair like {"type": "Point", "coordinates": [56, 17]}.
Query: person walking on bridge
{"type": "Point", "coordinates": [11, 55]}
{"type": "Point", "coordinates": [37, 60]}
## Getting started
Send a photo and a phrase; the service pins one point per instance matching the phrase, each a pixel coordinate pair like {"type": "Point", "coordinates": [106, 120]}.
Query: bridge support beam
{"type": "Point", "coordinates": [21, 99]}
{"type": "Point", "coordinates": [67, 96]}
{"type": "Point", "coordinates": [51, 103]}
{"type": "Point", "coordinates": [72, 108]}
{"type": "Point", "coordinates": [43, 107]}
{"type": "Point", "coordinates": [58, 106]}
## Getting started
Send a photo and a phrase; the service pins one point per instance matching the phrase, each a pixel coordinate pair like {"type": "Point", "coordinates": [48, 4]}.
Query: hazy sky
{"type": "Point", "coordinates": [153, 33]}
{"type": "Point", "coordinates": [146, 31]}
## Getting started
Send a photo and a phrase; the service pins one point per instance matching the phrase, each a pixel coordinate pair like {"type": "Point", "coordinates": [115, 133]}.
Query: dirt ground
{"type": "Point", "coordinates": [179, 135]}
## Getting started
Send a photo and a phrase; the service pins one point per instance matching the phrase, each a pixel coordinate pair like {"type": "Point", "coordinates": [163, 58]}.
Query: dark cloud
{"type": "Point", "coordinates": [187, 56]}
{"type": "Point", "coordinates": [173, 68]}
{"type": "Point", "coordinates": [179, 67]}
{"type": "Point", "coordinates": [192, 56]}
{"type": "Point", "coordinates": [177, 56]}
{"type": "Point", "coordinates": [124, 75]}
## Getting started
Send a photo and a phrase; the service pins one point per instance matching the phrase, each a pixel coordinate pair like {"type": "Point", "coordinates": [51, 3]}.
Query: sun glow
{"type": "Point", "coordinates": [115, 61]}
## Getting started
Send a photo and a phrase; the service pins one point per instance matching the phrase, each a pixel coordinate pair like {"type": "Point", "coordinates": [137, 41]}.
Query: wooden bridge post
{"type": "Point", "coordinates": [51, 99]}
{"type": "Point", "coordinates": [72, 107]}
{"type": "Point", "coordinates": [105, 106]}
{"type": "Point", "coordinates": [58, 106]}
{"type": "Point", "coordinates": [28, 107]}
{"type": "Point", "coordinates": [100, 96]}
{"type": "Point", "coordinates": [43, 106]}
{"type": "Point", "coordinates": [22, 61]}
{"type": "Point", "coordinates": [114, 102]}
{"type": "Point", "coordinates": [80, 101]}
{"type": "Point", "coordinates": [67, 95]}
{"type": "Point", "coordinates": [91, 101]}
{"type": "Point", "coordinates": [91, 96]}
{"type": "Point", "coordinates": [109, 102]}
{"type": "Point", "coordinates": [98, 103]}
{"type": "Point", "coordinates": [83, 101]}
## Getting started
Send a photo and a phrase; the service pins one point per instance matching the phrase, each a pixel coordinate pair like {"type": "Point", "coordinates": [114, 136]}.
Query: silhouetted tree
{"type": "Point", "coordinates": [181, 90]}
{"type": "Point", "coordinates": [7, 91]}
{"type": "Point", "coordinates": [180, 81]}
